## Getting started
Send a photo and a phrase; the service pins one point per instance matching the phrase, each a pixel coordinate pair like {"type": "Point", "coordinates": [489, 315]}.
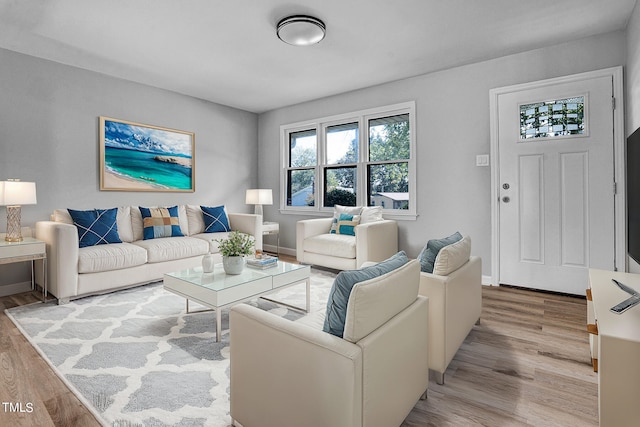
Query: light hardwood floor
{"type": "Point", "coordinates": [526, 364]}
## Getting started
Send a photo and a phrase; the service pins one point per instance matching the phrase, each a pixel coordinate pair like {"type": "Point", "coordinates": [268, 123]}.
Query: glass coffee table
{"type": "Point", "coordinates": [219, 290]}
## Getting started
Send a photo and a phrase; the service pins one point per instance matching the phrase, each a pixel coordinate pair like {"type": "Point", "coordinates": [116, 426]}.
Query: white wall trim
{"type": "Point", "coordinates": [14, 288]}
{"type": "Point", "coordinates": [619, 161]}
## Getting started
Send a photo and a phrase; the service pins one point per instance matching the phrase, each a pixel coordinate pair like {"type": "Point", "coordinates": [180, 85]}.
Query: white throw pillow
{"type": "Point", "coordinates": [452, 257]}
{"type": "Point", "coordinates": [371, 214]}
{"type": "Point", "coordinates": [349, 210]}
{"type": "Point", "coordinates": [195, 219]}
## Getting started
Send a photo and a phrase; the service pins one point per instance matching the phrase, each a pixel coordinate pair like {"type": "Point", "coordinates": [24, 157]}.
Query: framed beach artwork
{"type": "Point", "coordinates": [138, 157]}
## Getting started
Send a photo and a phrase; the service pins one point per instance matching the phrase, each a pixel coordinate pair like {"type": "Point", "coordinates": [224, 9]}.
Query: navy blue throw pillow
{"type": "Point", "coordinates": [96, 227]}
{"type": "Point", "coordinates": [215, 219]}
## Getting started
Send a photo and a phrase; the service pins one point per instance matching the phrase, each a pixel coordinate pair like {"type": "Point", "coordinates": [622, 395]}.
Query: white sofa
{"type": "Point", "coordinates": [455, 305]}
{"type": "Point", "coordinates": [74, 272]}
{"type": "Point", "coordinates": [286, 373]}
{"type": "Point", "coordinates": [373, 241]}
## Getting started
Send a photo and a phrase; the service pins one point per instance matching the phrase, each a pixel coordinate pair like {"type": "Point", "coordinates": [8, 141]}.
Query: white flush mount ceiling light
{"type": "Point", "coordinates": [300, 30]}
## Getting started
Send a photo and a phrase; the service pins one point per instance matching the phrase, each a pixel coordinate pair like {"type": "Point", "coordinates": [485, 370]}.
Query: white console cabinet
{"type": "Point", "coordinates": [615, 347]}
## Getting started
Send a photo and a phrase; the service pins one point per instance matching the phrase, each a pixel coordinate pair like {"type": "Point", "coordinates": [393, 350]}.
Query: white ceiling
{"type": "Point", "coordinates": [226, 51]}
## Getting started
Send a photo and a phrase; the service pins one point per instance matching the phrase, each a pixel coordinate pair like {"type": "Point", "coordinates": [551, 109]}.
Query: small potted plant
{"type": "Point", "coordinates": [233, 251]}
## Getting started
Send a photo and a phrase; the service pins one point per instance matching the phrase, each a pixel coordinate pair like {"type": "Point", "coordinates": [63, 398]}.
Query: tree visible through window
{"type": "Point", "coordinates": [388, 167]}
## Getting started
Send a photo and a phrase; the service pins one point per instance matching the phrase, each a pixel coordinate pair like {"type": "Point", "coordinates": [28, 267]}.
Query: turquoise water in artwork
{"type": "Point", "coordinates": [142, 167]}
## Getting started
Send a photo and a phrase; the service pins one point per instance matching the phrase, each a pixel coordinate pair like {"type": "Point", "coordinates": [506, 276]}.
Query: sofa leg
{"type": "Point", "coordinates": [424, 395]}
{"type": "Point", "coordinates": [439, 377]}
{"type": "Point", "coordinates": [478, 321]}
{"type": "Point", "coordinates": [63, 301]}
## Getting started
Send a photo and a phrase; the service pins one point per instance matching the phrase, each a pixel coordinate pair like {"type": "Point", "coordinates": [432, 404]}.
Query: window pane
{"type": "Point", "coordinates": [342, 144]}
{"type": "Point", "coordinates": [340, 186]}
{"type": "Point", "coordinates": [561, 117]}
{"type": "Point", "coordinates": [389, 185]}
{"type": "Point", "coordinates": [302, 148]}
{"type": "Point", "coordinates": [389, 138]}
{"type": "Point", "coordinates": [301, 188]}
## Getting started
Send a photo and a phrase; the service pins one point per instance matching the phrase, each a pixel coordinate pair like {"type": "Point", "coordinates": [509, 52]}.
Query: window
{"type": "Point", "coordinates": [388, 164]}
{"type": "Point", "coordinates": [562, 117]}
{"type": "Point", "coordinates": [301, 171]}
{"type": "Point", "coordinates": [362, 158]}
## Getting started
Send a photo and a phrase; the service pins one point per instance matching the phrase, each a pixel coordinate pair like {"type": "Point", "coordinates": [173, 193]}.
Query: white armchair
{"type": "Point", "coordinates": [286, 373]}
{"type": "Point", "coordinates": [373, 241]}
{"type": "Point", "coordinates": [455, 304]}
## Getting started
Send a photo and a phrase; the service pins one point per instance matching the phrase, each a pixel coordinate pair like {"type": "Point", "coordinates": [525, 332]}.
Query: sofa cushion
{"type": "Point", "coordinates": [96, 226]}
{"type": "Point", "coordinates": [427, 256]}
{"type": "Point", "coordinates": [138, 227]}
{"type": "Point", "coordinates": [195, 218]}
{"type": "Point", "coordinates": [452, 257]}
{"type": "Point", "coordinates": [160, 222]}
{"type": "Point", "coordinates": [374, 302]}
{"type": "Point", "coordinates": [215, 219]}
{"type": "Point", "coordinates": [211, 238]}
{"type": "Point", "coordinates": [371, 214]}
{"type": "Point", "coordinates": [170, 248]}
{"type": "Point", "coordinates": [346, 224]}
{"type": "Point", "coordinates": [123, 220]}
{"type": "Point", "coordinates": [334, 321]}
{"type": "Point", "coordinates": [116, 256]}
{"type": "Point", "coordinates": [336, 245]}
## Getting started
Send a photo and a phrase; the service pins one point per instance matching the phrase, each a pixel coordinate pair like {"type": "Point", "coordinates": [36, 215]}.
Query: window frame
{"type": "Point", "coordinates": [321, 125]}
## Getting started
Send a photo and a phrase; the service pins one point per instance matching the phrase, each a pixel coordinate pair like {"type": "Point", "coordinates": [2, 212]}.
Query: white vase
{"type": "Point", "coordinates": [207, 263]}
{"type": "Point", "coordinates": [233, 264]}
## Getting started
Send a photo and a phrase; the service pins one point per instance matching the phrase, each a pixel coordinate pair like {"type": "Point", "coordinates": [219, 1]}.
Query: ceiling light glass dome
{"type": "Point", "coordinates": [301, 30]}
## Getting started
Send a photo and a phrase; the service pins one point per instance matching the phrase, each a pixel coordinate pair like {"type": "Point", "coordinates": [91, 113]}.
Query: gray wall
{"type": "Point", "coordinates": [49, 134]}
{"type": "Point", "coordinates": [452, 109]}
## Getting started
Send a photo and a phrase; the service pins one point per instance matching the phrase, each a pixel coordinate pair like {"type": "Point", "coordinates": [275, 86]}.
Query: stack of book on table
{"type": "Point", "coordinates": [266, 261]}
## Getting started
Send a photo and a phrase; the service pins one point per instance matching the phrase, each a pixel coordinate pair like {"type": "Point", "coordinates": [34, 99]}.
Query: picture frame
{"type": "Point", "coordinates": [141, 157]}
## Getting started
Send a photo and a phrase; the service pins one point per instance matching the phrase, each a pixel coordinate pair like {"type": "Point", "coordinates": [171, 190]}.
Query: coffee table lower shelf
{"type": "Point", "coordinates": [219, 291]}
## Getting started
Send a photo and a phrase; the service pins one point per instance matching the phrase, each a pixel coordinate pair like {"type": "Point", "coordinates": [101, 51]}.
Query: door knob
{"type": "Point", "coordinates": [506, 199]}
{"type": "Point", "coordinates": [506, 186]}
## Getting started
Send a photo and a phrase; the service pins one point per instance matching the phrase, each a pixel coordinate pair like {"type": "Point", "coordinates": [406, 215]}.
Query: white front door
{"type": "Point", "coordinates": [556, 194]}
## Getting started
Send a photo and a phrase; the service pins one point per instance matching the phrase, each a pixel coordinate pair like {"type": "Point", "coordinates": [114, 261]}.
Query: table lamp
{"type": "Point", "coordinates": [259, 197]}
{"type": "Point", "coordinates": [13, 194]}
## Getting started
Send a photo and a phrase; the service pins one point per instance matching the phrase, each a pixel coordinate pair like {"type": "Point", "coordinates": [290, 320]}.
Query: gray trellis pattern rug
{"type": "Point", "coordinates": [134, 357]}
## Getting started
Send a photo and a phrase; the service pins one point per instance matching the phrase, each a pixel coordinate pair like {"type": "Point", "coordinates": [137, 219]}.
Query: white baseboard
{"type": "Point", "coordinates": [283, 251]}
{"type": "Point", "coordinates": [486, 280]}
{"type": "Point", "coordinates": [14, 288]}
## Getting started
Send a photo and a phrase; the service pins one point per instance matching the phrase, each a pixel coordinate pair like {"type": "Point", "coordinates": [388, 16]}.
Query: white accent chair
{"type": "Point", "coordinates": [455, 305]}
{"type": "Point", "coordinates": [286, 373]}
{"type": "Point", "coordinates": [373, 241]}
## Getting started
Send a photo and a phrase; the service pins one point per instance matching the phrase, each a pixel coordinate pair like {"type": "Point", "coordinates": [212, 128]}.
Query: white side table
{"type": "Point", "coordinates": [271, 228]}
{"type": "Point", "coordinates": [29, 249]}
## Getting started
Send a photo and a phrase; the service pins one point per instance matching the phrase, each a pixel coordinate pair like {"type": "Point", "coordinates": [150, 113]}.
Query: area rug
{"type": "Point", "coordinates": [135, 358]}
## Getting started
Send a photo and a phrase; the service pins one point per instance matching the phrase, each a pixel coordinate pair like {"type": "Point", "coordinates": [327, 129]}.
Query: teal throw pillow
{"type": "Point", "coordinates": [341, 290]}
{"type": "Point", "coordinates": [96, 227]}
{"type": "Point", "coordinates": [429, 253]}
{"type": "Point", "coordinates": [215, 219]}
{"type": "Point", "coordinates": [345, 224]}
{"type": "Point", "coordinates": [160, 222]}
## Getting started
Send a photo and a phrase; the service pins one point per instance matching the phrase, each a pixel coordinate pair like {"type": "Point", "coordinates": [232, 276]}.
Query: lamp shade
{"type": "Point", "coordinates": [16, 193]}
{"type": "Point", "coordinates": [257, 196]}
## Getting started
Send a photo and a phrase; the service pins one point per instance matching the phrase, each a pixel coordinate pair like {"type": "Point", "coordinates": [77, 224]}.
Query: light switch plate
{"type": "Point", "coordinates": [482, 160]}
